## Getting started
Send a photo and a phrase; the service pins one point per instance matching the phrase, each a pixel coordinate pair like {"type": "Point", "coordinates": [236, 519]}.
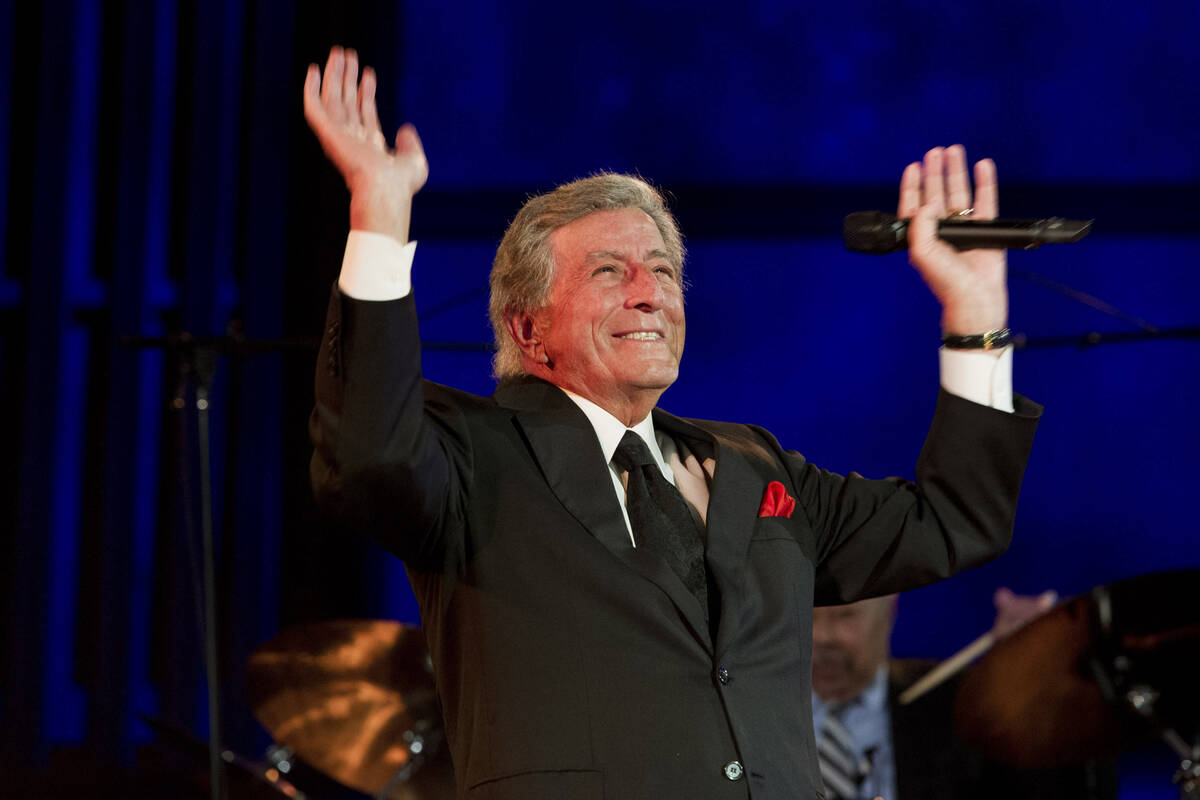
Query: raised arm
{"type": "Point", "coordinates": [377, 463]}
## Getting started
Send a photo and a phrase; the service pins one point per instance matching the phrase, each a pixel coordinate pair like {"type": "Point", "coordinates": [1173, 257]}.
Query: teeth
{"type": "Point", "coordinates": [643, 336]}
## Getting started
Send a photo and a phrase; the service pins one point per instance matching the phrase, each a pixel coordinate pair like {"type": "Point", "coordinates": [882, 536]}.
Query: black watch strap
{"type": "Point", "coordinates": [992, 340]}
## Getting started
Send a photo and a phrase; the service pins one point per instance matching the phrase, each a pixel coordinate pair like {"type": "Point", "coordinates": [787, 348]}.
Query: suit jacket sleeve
{"type": "Point", "coordinates": [875, 537]}
{"type": "Point", "coordinates": [384, 460]}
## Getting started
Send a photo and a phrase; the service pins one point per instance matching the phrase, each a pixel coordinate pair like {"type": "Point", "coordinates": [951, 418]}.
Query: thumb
{"type": "Point", "coordinates": [926, 251]}
{"type": "Point", "coordinates": [410, 153]}
{"type": "Point", "coordinates": [407, 139]}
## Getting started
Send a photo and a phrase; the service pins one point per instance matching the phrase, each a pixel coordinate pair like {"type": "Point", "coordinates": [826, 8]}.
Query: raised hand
{"type": "Point", "coordinates": [382, 180]}
{"type": "Point", "coordinates": [971, 285]}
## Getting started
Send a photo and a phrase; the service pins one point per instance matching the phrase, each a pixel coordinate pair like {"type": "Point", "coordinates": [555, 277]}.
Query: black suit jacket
{"type": "Point", "coordinates": [570, 664]}
{"type": "Point", "coordinates": [932, 761]}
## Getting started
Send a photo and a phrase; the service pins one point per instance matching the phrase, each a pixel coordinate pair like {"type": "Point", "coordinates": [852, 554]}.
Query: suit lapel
{"type": "Point", "coordinates": [565, 447]}
{"type": "Point", "coordinates": [569, 454]}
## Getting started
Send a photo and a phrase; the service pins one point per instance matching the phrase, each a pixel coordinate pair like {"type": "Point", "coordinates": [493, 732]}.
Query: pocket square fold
{"type": "Point", "coordinates": [776, 502]}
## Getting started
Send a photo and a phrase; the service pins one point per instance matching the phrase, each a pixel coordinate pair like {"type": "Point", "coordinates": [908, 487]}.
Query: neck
{"type": "Point", "coordinates": [628, 404]}
{"type": "Point", "coordinates": [629, 410]}
{"type": "Point", "coordinates": [630, 413]}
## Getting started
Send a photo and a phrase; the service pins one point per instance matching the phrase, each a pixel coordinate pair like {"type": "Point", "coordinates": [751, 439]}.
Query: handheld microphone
{"type": "Point", "coordinates": [879, 233]}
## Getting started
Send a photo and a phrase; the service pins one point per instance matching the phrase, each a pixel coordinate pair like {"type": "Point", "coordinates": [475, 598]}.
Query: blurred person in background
{"type": "Point", "coordinates": [870, 745]}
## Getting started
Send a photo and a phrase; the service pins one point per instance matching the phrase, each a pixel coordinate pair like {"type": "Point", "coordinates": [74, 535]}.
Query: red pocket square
{"type": "Point", "coordinates": [776, 501]}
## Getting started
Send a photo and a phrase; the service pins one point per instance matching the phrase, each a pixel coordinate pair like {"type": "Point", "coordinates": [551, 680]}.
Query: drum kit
{"type": "Point", "coordinates": [1106, 671]}
{"type": "Point", "coordinates": [1097, 674]}
{"type": "Point", "coordinates": [355, 699]}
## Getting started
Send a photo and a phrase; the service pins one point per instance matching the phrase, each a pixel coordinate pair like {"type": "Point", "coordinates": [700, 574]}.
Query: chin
{"type": "Point", "coordinates": [654, 376]}
{"type": "Point", "coordinates": [654, 383]}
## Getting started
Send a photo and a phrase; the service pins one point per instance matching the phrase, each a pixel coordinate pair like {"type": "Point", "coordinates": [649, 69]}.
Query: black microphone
{"type": "Point", "coordinates": [880, 233]}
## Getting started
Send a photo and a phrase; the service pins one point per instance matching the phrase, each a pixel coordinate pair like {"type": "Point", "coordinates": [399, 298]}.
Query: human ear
{"type": "Point", "coordinates": [526, 332]}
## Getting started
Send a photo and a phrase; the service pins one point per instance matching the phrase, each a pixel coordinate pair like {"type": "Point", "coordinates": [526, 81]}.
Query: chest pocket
{"type": "Point", "coordinates": [779, 574]}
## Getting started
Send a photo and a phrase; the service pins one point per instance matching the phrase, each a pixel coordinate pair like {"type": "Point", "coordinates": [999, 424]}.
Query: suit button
{"type": "Point", "coordinates": [723, 676]}
{"type": "Point", "coordinates": [733, 770]}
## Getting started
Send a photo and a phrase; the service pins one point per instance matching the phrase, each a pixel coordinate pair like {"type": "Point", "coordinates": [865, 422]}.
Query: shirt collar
{"type": "Point", "coordinates": [609, 431]}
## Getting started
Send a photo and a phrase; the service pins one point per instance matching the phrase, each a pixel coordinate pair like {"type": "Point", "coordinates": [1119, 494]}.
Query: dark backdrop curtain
{"type": "Point", "coordinates": [156, 178]}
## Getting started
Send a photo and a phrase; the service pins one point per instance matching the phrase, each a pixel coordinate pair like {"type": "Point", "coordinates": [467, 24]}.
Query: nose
{"type": "Point", "coordinates": [643, 289]}
{"type": "Point", "coordinates": [822, 630]}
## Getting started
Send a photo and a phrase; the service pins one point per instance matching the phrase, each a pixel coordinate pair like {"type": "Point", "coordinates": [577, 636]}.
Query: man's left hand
{"type": "Point", "coordinates": [971, 285]}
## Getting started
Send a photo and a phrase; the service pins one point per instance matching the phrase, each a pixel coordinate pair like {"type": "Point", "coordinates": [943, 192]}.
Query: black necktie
{"type": "Point", "coordinates": [659, 516]}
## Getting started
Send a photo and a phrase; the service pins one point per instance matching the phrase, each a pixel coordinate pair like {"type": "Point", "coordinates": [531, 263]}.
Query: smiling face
{"type": "Point", "coordinates": [613, 329]}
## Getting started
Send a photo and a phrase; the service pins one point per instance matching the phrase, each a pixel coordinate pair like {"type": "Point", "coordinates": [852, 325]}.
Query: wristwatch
{"type": "Point", "coordinates": [992, 340]}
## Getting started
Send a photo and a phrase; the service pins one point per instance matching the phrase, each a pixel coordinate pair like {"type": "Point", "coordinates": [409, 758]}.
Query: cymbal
{"type": "Point", "coordinates": [349, 696]}
{"type": "Point", "coordinates": [246, 779]}
{"type": "Point", "coordinates": [1055, 691]}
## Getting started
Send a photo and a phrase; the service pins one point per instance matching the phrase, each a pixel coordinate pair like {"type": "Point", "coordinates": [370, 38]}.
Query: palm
{"type": "Point", "coordinates": [382, 180]}
{"type": "Point", "coordinates": [970, 285]}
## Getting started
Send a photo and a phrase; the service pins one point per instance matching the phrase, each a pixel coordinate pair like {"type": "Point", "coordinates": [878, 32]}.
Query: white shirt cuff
{"type": "Point", "coordinates": [981, 377]}
{"type": "Point", "coordinates": [376, 267]}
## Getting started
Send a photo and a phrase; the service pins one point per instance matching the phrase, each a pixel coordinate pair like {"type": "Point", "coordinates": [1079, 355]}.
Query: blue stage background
{"type": "Point", "coordinates": [157, 177]}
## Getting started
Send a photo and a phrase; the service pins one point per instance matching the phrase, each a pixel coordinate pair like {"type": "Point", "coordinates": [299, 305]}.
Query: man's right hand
{"type": "Point", "coordinates": [382, 181]}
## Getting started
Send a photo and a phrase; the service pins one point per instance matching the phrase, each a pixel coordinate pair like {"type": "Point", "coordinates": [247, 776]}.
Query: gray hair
{"type": "Point", "coordinates": [524, 266]}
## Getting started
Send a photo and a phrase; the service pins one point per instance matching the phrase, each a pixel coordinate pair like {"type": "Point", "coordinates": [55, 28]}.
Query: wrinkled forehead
{"type": "Point", "coordinates": [625, 234]}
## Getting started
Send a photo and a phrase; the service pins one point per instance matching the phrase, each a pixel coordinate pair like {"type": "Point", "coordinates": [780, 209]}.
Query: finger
{"type": "Point", "coordinates": [331, 87]}
{"type": "Point", "coordinates": [350, 85]}
{"type": "Point", "coordinates": [958, 188]}
{"type": "Point", "coordinates": [317, 115]}
{"type": "Point", "coordinates": [934, 184]}
{"type": "Point", "coordinates": [987, 193]}
{"type": "Point", "coordinates": [366, 106]}
{"type": "Point", "coordinates": [910, 191]}
{"type": "Point", "coordinates": [312, 95]}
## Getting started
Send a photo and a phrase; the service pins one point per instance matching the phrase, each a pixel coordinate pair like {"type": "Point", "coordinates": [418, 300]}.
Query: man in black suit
{"type": "Point", "coordinates": [912, 751]}
{"type": "Point", "coordinates": [618, 601]}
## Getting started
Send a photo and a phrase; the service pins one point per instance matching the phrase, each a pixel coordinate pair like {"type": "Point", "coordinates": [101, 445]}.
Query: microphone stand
{"type": "Point", "coordinates": [1147, 331]}
{"type": "Point", "coordinates": [1092, 338]}
{"type": "Point", "coordinates": [204, 368]}
{"type": "Point", "coordinates": [196, 366]}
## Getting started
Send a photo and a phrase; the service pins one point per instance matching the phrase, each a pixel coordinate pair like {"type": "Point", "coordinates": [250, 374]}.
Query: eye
{"type": "Point", "coordinates": [603, 269]}
{"type": "Point", "coordinates": [666, 271]}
